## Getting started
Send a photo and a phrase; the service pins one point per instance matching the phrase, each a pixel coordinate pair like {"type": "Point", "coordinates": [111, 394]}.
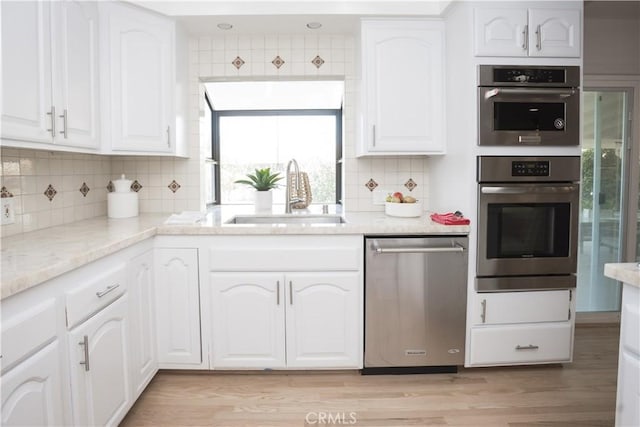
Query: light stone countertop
{"type": "Point", "coordinates": [32, 258]}
{"type": "Point", "coordinates": [628, 272]}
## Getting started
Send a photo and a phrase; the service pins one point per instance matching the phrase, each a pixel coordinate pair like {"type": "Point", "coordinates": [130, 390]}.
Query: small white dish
{"type": "Point", "coordinates": [404, 210]}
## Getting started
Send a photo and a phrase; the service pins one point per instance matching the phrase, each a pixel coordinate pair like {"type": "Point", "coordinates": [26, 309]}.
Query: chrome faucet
{"type": "Point", "coordinates": [288, 201]}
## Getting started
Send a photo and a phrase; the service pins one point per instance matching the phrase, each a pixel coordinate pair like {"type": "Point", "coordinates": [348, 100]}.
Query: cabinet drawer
{"type": "Point", "coordinates": [521, 344]}
{"type": "Point", "coordinates": [286, 253]}
{"type": "Point", "coordinates": [27, 332]}
{"type": "Point", "coordinates": [90, 297]}
{"type": "Point", "coordinates": [521, 307]}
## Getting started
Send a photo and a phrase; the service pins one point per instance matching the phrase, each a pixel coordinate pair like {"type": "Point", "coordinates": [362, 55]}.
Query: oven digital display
{"type": "Point", "coordinates": [530, 168]}
{"type": "Point", "coordinates": [529, 75]}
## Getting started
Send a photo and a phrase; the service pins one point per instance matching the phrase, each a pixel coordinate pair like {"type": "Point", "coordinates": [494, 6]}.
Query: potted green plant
{"type": "Point", "coordinates": [263, 181]}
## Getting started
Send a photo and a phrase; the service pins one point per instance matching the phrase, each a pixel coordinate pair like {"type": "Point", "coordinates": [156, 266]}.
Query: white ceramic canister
{"type": "Point", "coordinates": [123, 202]}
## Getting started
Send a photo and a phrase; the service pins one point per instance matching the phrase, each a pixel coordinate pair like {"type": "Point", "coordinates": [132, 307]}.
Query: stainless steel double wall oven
{"type": "Point", "coordinates": [527, 222]}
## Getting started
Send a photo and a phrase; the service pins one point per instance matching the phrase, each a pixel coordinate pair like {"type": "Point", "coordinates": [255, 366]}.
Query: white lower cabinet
{"type": "Point", "coordinates": [144, 360]}
{"type": "Point", "coordinates": [521, 344]}
{"type": "Point", "coordinates": [288, 303]}
{"type": "Point", "coordinates": [323, 320]}
{"type": "Point", "coordinates": [100, 379]}
{"type": "Point", "coordinates": [516, 328]}
{"type": "Point", "coordinates": [34, 383]}
{"type": "Point", "coordinates": [31, 392]}
{"type": "Point", "coordinates": [292, 320]}
{"type": "Point", "coordinates": [628, 394]}
{"type": "Point", "coordinates": [248, 320]}
{"type": "Point", "coordinates": [177, 307]}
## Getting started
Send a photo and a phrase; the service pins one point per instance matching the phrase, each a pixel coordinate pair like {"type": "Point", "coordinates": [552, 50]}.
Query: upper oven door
{"type": "Point", "coordinates": [528, 116]}
{"type": "Point", "coordinates": [527, 229]}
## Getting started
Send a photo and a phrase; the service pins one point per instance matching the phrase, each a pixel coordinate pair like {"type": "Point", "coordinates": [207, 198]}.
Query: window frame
{"type": "Point", "coordinates": [215, 140]}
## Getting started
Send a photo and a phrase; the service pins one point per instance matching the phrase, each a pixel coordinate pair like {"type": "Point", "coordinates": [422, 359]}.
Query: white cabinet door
{"type": "Point", "coordinates": [144, 361]}
{"type": "Point", "coordinates": [500, 32]}
{"type": "Point", "coordinates": [323, 320]}
{"type": "Point", "coordinates": [554, 32]}
{"type": "Point", "coordinates": [26, 71]}
{"type": "Point", "coordinates": [177, 307]}
{"type": "Point", "coordinates": [32, 391]}
{"type": "Point", "coordinates": [99, 355]}
{"type": "Point", "coordinates": [75, 72]}
{"type": "Point", "coordinates": [140, 79]}
{"type": "Point", "coordinates": [521, 32]}
{"type": "Point", "coordinates": [403, 84]}
{"type": "Point", "coordinates": [247, 320]}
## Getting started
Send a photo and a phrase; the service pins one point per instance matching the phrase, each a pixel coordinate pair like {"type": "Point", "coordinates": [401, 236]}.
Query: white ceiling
{"type": "Point", "coordinates": [286, 16]}
{"type": "Point", "coordinates": [275, 95]}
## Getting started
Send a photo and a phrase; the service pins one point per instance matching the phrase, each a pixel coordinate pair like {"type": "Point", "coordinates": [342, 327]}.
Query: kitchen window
{"type": "Point", "coordinates": [246, 139]}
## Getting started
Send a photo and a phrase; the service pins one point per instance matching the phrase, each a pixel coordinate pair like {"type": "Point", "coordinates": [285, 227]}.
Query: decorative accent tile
{"type": "Point", "coordinates": [278, 62]}
{"type": "Point", "coordinates": [110, 187]}
{"type": "Point", "coordinates": [371, 184]}
{"type": "Point", "coordinates": [174, 186]}
{"type": "Point", "coordinates": [135, 186]}
{"type": "Point", "coordinates": [317, 61]}
{"type": "Point", "coordinates": [50, 192]}
{"type": "Point", "coordinates": [238, 62]}
{"type": "Point", "coordinates": [411, 184]}
{"type": "Point", "coordinates": [5, 193]}
{"type": "Point", "coordinates": [84, 189]}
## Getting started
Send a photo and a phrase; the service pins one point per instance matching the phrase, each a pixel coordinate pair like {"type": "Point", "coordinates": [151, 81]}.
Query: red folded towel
{"type": "Point", "coordinates": [450, 219]}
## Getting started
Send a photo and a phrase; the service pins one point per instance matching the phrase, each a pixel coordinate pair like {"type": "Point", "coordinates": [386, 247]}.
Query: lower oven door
{"type": "Point", "coordinates": [527, 229]}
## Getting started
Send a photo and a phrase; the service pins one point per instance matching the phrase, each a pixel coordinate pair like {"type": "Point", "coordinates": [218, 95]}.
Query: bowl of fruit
{"type": "Point", "coordinates": [397, 204]}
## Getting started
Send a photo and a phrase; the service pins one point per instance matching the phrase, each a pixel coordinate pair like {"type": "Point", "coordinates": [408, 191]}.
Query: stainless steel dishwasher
{"type": "Point", "coordinates": [415, 304]}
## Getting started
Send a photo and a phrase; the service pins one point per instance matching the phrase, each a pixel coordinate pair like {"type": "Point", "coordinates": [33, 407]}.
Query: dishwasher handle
{"type": "Point", "coordinates": [408, 250]}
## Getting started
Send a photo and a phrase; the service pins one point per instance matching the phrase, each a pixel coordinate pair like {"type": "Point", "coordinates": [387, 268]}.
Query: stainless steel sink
{"type": "Point", "coordinates": [286, 219]}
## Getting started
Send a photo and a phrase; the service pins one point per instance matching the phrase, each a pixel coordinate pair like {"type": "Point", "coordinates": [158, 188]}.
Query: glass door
{"type": "Point", "coordinates": [603, 205]}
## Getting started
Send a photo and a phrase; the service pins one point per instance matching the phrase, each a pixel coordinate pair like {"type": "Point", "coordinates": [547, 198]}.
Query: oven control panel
{"type": "Point", "coordinates": [529, 168]}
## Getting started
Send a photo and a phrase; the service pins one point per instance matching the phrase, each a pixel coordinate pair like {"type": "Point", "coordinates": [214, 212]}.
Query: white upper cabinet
{"type": "Point", "coordinates": [139, 81]}
{"type": "Point", "coordinates": [403, 87]}
{"type": "Point", "coordinates": [75, 72]}
{"type": "Point", "coordinates": [49, 75]}
{"type": "Point", "coordinates": [521, 32]}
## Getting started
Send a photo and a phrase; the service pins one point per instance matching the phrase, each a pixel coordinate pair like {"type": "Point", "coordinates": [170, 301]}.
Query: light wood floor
{"type": "Point", "coordinates": [581, 393]}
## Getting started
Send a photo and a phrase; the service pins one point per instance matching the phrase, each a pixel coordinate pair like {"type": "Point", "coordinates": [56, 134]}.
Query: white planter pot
{"type": "Point", "coordinates": [264, 201]}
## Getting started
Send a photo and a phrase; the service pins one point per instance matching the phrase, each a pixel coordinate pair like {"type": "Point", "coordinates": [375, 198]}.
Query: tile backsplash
{"type": "Point", "coordinates": [53, 188]}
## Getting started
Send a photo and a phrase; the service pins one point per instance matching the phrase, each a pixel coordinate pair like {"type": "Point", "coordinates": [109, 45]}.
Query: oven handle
{"type": "Point", "coordinates": [561, 92]}
{"type": "Point", "coordinates": [529, 189]}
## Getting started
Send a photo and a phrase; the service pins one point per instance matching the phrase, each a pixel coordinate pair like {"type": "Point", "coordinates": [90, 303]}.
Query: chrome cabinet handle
{"type": "Point", "coordinates": [525, 38]}
{"type": "Point", "coordinates": [374, 135]}
{"type": "Point", "coordinates": [63, 116]}
{"type": "Point", "coordinates": [169, 136]}
{"type": "Point", "coordinates": [527, 347]}
{"type": "Point", "coordinates": [52, 113]}
{"type": "Point", "coordinates": [538, 38]}
{"type": "Point", "coordinates": [290, 293]}
{"type": "Point", "coordinates": [100, 294]}
{"type": "Point", "coordinates": [85, 344]}
{"type": "Point", "coordinates": [278, 292]}
{"type": "Point", "coordinates": [483, 315]}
